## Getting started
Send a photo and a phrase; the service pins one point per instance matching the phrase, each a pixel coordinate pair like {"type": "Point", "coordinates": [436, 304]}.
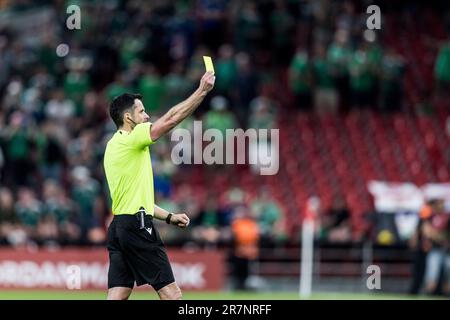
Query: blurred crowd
{"type": "Point", "coordinates": [311, 55]}
{"type": "Point", "coordinates": [54, 119]}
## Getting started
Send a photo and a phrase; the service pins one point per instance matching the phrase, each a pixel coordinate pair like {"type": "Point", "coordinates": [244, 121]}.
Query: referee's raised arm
{"type": "Point", "coordinates": [182, 110]}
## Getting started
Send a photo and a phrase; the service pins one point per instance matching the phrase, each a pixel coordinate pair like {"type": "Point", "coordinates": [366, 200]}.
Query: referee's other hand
{"type": "Point", "coordinates": [180, 220]}
{"type": "Point", "coordinates": [207, 82]}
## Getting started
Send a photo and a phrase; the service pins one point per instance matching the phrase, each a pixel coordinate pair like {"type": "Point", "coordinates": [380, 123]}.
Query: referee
{"type": "Point", "coordinates": [136, 251]}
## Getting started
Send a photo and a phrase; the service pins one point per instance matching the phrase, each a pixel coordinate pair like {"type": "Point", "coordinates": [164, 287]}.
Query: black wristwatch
{"type": "Point", "coordinates": [169, 216]}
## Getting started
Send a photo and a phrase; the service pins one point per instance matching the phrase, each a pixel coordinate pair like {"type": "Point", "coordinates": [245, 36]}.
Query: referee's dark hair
{"type": "Point", "coordinates": [120, 105]}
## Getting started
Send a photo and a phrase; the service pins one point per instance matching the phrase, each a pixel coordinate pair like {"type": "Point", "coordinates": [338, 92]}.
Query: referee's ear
{"type": "Point", "coordinates": [127, 117]}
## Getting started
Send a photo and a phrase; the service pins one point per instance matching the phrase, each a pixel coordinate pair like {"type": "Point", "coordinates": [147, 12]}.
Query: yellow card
{"type": "Point", "coordinates": [208, 64]}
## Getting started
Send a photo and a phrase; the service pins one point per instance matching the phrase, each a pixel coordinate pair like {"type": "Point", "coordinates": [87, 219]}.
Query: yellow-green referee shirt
{"type": "Point", "coordinates": [128, 170]}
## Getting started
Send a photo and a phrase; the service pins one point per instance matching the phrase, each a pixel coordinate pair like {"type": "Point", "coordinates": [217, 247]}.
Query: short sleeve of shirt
{"type": "Point", "coordinates": [139, 137]}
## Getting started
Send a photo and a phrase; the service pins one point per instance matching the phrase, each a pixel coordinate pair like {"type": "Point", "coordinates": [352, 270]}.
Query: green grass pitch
{"type": "Point", "coordinates": [150, 295]}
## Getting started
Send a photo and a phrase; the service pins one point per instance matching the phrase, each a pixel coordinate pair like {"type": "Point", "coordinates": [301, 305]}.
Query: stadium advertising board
{"type": "Point", "coordinates": [88, 269]}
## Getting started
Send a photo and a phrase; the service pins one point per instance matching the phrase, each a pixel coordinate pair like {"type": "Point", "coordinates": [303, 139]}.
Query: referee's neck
{"type": "Point", "coordinates": [125, 128]}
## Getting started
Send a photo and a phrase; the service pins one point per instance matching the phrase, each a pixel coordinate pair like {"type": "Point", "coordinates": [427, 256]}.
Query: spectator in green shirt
{"type": "Point", "coordinates": [76, 85]}
{"type": "Point", "coordinates": [85, 193]}
{"type": "Point", "coordinates": [269, 216]}
{"type": "Point", "coordinates": [219, 117]}
{"type": "Point", "coordinates": [61, 210]}
{"type": "Point", "coordinates": [131, 49]}
{"type": "Point", "coordinates": [300, 79]}
{"type": "Point", "coordinates": [10, 231]}
{"type": "Point", "coordinates": [18, 151]}
{"type": "Point", "coordinates": [152, 89]}
{"type": "Point", "coordinates": [29, 210]}
{"type": "Point", "coordinates": [118, 87]}
{"type": "Point", "coordinates": [177, 87]}
{"type": "Point", "coordinates": [393, 69]}
{"type": "Point", "coordinates": [325, 93]}
{"type": "Point", "coordinates": [282, 25]}
{"type": "Point", "coordinates": [262, 113]}
{"type": "Point", "coordinates": [339, 54]}
{"type": "Point", "coordinates": [226, 70]}
{"type": "Point", "coordinates": [47, 54]}
{"type": "Point", "coordinates": [362, 78]}
{"type": "Point", "coordinates": [249, 32]}
{"type": "Point", "coordinates": [442, 68]}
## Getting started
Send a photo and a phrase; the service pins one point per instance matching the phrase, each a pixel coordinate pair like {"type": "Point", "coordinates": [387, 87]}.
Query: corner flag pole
{"type": "Point", "coordinates": [307, 249]}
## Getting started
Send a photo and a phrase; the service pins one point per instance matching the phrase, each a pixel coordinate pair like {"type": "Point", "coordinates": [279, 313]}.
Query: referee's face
{"type": "Point", "coordinates": [139, 114]}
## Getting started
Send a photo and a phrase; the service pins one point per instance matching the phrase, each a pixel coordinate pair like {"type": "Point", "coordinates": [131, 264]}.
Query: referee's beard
{"type": "Point", "coordinates": [135, 123]}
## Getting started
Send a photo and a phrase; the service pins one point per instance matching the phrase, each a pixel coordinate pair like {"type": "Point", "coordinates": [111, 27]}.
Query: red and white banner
{"type": "Point", "coordinates": [397, 197]}
{"type": "Point", "coordinates": [88, 269]}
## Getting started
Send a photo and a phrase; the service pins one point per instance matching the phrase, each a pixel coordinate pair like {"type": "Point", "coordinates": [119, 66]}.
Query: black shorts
{"type": "Point", "coordinates": [137, 255]}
